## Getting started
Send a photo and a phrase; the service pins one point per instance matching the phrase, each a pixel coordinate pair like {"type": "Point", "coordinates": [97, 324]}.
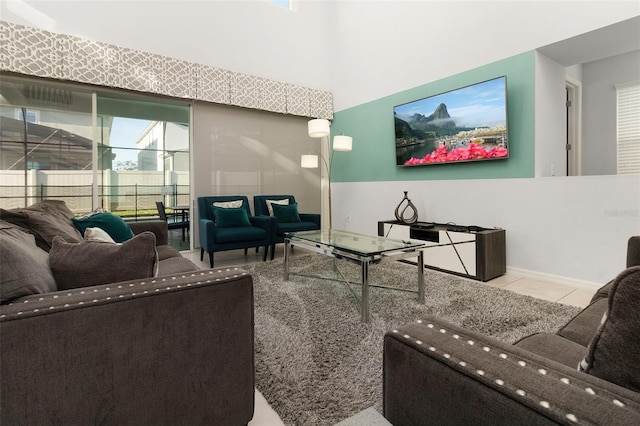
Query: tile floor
{"type": "Point", "coordinates": [266, 416]}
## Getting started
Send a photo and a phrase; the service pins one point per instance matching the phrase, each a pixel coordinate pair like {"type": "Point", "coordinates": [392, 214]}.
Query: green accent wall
{"type": "Point", "coordinates": [372, 127]}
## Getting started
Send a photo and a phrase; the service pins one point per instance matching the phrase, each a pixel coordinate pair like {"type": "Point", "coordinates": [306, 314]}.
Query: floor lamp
{"type": "Point", "coordinates": [320, 128]}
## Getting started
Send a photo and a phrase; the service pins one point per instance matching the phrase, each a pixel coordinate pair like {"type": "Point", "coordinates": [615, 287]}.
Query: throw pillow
{"type": "Point", "coordinates": [92, 263]}
{"type": "Point", "coordinates": [286, 214]}
{"type": "Point", "coordinates": [284, 202]}
{"type": "Point", "coordinates": [25, 268]}
{"type": "Point", "coordinates": [113, 224]}
{"type": "Point", "coordinates": [45, 220]}
{"type": "Point", "coordinates": [613, 352]}
{"type": "Point", "coordinates": [231, 217]}
{"type": "Point", "coordinates": [228, 204]}
{"type": "Point", "coordinates": [97, 234]}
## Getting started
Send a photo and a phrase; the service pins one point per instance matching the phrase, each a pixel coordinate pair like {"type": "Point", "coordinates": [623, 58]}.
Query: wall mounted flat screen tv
{"type": "Point", "coordinates": [462, 125]}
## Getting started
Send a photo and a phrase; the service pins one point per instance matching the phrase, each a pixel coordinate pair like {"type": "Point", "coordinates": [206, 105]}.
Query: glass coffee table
{"type": "Point", "coordinates": [360, 249]}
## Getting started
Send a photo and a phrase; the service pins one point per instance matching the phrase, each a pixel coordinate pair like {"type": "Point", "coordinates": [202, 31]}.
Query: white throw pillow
{"type": "Point", "coordinates": [284, 202]}
{"type": "Point", "coordinates": [228, 204]}
{"type": "Point", "coordinates": [97, 234]}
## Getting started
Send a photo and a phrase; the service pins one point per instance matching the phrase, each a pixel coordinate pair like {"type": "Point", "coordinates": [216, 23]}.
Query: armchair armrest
{"type": "Point", "coordinates": [158, 227]}
{"type": "Point", "coordinates": [441, 373]}
{"type": "Point", "coordinates": [310, 217]}
{"type": "Point", "coordinates": [268, 223]}
{"type": "Point", "coordinates": [152, 351]}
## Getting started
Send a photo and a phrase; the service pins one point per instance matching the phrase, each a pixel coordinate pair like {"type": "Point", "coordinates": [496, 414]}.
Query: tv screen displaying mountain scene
{"type": "Point", "coordinates": [465, 124]}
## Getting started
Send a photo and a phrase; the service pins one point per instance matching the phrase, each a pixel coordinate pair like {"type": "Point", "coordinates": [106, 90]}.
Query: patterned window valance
{"type": "Point", "coordinates": [41, 53]}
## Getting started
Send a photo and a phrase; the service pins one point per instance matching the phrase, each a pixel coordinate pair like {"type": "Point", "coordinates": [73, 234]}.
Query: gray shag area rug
{"type": "Point", "coordinates": [317, 364]}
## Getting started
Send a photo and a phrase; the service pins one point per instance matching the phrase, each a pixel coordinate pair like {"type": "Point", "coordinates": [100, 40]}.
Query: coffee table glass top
{"type": "Point", "coordinates": [361, 244]}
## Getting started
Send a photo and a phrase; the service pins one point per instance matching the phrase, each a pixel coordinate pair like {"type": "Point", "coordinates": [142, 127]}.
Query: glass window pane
{"type": "Point", "coordinates": [144, 146]}
{"type": "Point", "coordinates": [45, 144]}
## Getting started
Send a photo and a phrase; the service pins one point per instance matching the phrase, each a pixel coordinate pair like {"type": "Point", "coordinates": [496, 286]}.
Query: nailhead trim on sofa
{"type": "Point", "coordinates": [528, 395]}
{"type": "Point", "coordinates": [77, 298]}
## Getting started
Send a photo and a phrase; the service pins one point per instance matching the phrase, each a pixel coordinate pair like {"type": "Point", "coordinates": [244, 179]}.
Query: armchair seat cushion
{"type": "Point", "coordinates": [241, 233]}
{"type": "Point", "coordinates": [295, 227]}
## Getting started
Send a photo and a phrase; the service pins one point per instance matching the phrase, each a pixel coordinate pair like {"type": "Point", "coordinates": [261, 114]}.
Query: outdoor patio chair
{"type": "Point", "coordinates": [174, 220]}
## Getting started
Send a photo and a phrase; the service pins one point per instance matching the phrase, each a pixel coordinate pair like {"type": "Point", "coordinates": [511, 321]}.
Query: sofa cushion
{"type": "Point", "coordinates": [45, 220]}
{"type": "Point", "coordinates": [583, 327]}
{"type": "Point", "coordinates": [90, 263]}
{"type": "Point", "coordinates": [603, 292]}
{"type": "Point", "coordinates": [175, 265]}
{"type": "Point", "coordinates": [231, 217]}
{"type": "Point", "coordinates": [553, 347]}
{"type": "Point", "coordinates": [286, 214]}
{"type": "Point", "coordinates": [167, 252]}
{"type": "Point", "coordinates": [111, 223]}
{"type": "Point", "coordinates": [24, 266]}
{"type": "Point", "coordinates": [613, 352]}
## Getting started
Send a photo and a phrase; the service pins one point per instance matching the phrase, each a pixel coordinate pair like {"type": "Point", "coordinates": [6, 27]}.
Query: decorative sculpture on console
{"type": "Point", "coordinates": [402, 210]}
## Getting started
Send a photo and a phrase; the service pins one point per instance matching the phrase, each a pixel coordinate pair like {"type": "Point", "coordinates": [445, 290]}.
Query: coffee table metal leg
{"type": "Point", "coordinates": [421, 276]}
{"type": "Point", "coordinates": [287, 247]}
{"type": "Point", "coordinates": [365, 291]}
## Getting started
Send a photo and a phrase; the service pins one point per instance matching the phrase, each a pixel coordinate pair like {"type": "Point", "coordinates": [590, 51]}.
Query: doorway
{"type": "Point", "coordinates": [573, 89]}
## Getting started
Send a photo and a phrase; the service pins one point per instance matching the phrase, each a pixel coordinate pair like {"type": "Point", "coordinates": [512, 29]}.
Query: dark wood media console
{"type": "Point", "coordinates": [469, 251]}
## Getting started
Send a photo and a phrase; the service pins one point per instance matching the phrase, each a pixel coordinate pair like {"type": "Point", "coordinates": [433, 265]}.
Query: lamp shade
{"type": "Point", "coordinates": [309, 161]}
{"type": "Point", "coordinates": [342, 143]}
{"type": "Point", "coordinates": [319, 128]}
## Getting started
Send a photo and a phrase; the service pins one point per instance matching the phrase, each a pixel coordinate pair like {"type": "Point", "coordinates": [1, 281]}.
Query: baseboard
{"type": "Point", "coordinates": [556, 279]}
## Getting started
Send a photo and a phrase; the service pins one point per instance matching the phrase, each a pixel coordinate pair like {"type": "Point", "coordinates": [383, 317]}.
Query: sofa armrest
{"type": "Point", "coordinates": [633, 251]}
{"type": "Point", "coordinates": [158, 227]}
{"type": "Point", "coordinates": [438, 373]}
{"type": "Point", "coordinates": [176, 349]}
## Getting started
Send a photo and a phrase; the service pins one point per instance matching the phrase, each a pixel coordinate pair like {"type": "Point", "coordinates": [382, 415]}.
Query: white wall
{"type": "Point", "coordinates": [253, 37]}
{"type": "Point", "coordinates": [384, 47]}
{"type": "Point", "coordinates": [550, 113]}
{"type": "Point", "coordinates": [571, 229]}
{"type": "Point", "coordinates": [599, 110]}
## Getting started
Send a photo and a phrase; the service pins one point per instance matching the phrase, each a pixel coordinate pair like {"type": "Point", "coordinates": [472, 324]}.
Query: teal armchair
{"type": "Point", "coordinates": [308, 221]}
{"type": "Point", "coordinates": [231, 235]}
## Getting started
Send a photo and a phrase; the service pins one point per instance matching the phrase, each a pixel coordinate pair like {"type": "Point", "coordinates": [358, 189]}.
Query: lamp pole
{"type": "Point", "coordinates": [320, 128]}
{"type": "Point", "coordinates": [326, 183]}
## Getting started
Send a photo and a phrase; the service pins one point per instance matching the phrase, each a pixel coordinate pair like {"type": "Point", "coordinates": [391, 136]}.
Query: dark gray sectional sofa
{"type": "Point", "coordinates": [174, 347]}
{"type": "Point", "coordinates": [439, 373]}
